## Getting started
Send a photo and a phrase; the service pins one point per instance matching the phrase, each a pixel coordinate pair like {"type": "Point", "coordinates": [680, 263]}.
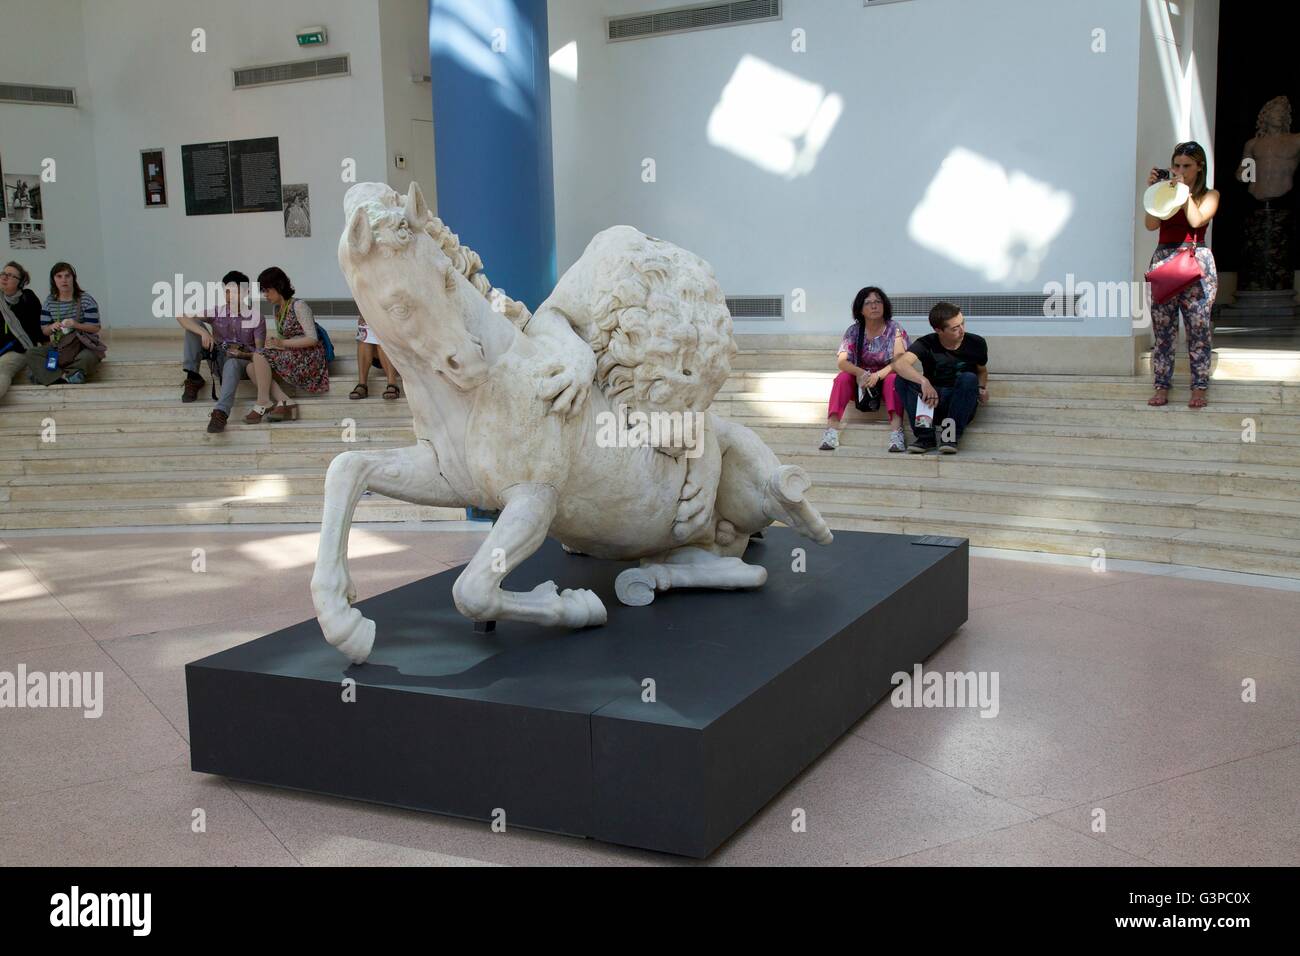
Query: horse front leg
{"type": "Point", "coordinates": [408, 474]}
{"type": "Point", "coordinates": [518, 532]}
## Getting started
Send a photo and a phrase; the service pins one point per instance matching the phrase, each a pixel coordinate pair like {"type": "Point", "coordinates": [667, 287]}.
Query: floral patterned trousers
{"type": "Point", "coordinates": [1195, 302]}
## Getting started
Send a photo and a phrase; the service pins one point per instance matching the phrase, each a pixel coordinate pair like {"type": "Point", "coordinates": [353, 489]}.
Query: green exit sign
{"type": "Point", "coordinates": [315, 36]}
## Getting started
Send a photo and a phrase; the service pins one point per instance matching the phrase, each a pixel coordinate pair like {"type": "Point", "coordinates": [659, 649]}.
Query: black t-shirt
{"type": "Point", "coordinates": [28, 312]}
{"type": "Point", "coordinates": [941, 366]}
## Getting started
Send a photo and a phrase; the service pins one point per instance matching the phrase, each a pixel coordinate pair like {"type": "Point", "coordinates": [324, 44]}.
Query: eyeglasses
{"type": "Point", "coordinates": [10, 275]}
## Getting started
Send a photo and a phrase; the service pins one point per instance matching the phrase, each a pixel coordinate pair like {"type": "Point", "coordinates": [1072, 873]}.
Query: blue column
{"type": "Point", "coordinates": [490, 65]}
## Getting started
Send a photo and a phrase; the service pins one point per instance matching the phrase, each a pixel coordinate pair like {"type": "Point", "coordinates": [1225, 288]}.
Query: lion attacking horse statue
{"type": "Point", "coordinates": [551, 419]}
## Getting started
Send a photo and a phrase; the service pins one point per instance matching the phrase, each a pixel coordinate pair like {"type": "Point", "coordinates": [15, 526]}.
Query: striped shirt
{"type": "Point", "coordinates": [56, 311]}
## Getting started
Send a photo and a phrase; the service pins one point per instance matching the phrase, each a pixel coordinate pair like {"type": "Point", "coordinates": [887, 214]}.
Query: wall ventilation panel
{"type": "Point", "coordinates": [975, 306]}
{"type": "Point", "coordinates": [37, 95]}
{"type": "Point", "coordinates": [638, 26]}
{"type": "Point", "coordinates": [294, 72]}
{"type": "Point", "coordinates": [770, 308]}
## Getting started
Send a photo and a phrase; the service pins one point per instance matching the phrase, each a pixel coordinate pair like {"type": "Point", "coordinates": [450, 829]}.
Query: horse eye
{"type": "Point", "coordinates": [686, 371]}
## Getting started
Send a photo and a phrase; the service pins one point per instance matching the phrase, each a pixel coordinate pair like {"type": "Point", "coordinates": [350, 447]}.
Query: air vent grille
{"type": "Point", "coordinates": [37, 95]}
{"type": "Point", "coordinates": [974, 306]}
{"type": "Point", "coordinates": [293, 72]}
{"type": "Point", "coordinates": [323, 308]}
{"type": "Point", "coordinates": [706, 16]}
{"type": "Point", "coordinates": [756, 307]}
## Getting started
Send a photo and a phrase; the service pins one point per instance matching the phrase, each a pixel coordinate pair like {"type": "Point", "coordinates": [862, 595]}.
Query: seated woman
{"type": "Point", "coordinates": [370, 354]}
{"type": "Point", "coordinates": [293, 355]}
{"type": "Point", "coordinates": [866, 357]}
{"type": "Point", "coordinates": [20, 322]}
{"type": "Point", "coordinates": [70, 348]}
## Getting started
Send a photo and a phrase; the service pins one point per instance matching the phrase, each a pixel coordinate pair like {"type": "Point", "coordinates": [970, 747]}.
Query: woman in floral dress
{"type": "Point", "coordinates": [293, 354]}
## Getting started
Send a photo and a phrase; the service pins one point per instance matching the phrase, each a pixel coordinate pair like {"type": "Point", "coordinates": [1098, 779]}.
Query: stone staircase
{"type": "Point", "coordinates": [1063, 464]}
{"type": "Point", "coordinates": [126, 452]}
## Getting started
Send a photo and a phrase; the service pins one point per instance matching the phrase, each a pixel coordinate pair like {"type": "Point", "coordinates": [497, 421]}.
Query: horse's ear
{"type": "Point", "coordinates": [360, 236]}
{"type": "Point", "coordinates": [417, 210]}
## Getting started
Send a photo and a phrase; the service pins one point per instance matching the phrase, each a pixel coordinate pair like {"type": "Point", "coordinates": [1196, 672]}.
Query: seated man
{"type": "Point", "coordinates": [235, 328]}
{"type": "Point", "coordinates": [948, 369]}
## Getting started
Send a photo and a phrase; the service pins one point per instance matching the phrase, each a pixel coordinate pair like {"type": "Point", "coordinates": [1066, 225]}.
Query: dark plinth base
{"type": "Point", "coordinates": [553, 727]}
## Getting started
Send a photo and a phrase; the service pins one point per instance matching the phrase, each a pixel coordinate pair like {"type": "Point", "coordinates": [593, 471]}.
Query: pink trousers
{"type": "Point", "coordinates": [845, 390]}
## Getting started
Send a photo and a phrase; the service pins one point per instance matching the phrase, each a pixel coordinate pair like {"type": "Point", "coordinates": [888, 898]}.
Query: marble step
{"type": "Point", "coordinates": [1136, 417]}
{"type": "Point", "coordinates": [1221, 447]}
{"type": "Point", "coordinates": [125, 436]}
{"type": "Point", "coordinates": [214, 510]}
{"type": "Point", "coordinates": [809, 386]}
{"type": "Point", "coordinates": [172, 412]}
{"type": "Point", "coordinates": [1203, 478]}
{"type": "Point", "coordinates": [75, 468]}
{"type": "Point", "coordinates": [1250, 553]}
{"type": "Point", "coordinates": [1165, 509]}
{"type": "Point", "coordinates": [117, 392]}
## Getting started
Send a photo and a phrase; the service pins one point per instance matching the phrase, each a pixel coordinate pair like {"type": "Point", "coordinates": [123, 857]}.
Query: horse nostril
{"type": "Point", "coordinates": [452, 363]}
{"type": "Point", "coordinates": [686, 372]}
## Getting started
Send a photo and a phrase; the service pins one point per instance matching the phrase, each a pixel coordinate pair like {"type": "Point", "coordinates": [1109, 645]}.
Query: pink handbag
{"type": "Point", "coordinates": [1174, 274]}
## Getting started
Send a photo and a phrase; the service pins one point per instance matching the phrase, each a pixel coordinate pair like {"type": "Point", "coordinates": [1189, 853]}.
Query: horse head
{"type": "Point", "coordinates": [424, 311]}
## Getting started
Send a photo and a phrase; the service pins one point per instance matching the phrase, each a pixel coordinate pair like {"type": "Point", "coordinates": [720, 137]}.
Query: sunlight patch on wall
{"type": "Point", "coordinates": [1000, 224]}
{"type": "Point", "coordinates": [776, 120]}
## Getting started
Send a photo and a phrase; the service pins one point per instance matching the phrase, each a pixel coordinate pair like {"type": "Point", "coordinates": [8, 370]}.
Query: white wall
{"type": "Point", "coordinates": [408, 106]}
{"type": "Point", "coordinates": [1178, 79]}
{"type": "Point", "coordinates": [52, 56]}
{"type": "Point", "coordinates": [1015, 83]}
{"type": "Point", "coordinates": [140, 85]}
{"type": "Point", "coordinates": [150, 89]}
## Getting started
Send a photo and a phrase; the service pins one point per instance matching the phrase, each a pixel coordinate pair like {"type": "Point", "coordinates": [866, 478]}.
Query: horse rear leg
{"type": "Point", "coordinates": [516, 534]}
{"type": "Point", "coordinates": [686, 568]}
{"type": "Point", "coordinates": [408, 474]}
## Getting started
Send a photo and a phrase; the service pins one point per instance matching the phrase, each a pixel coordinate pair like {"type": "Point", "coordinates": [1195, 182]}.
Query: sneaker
{"type": "Point", "coordinates": [191, 393]}
{"type": "Point", "coordinates": [948, 448]}
{"type": "Point", "coordinates": [830, 440]}
{"type": "Point", "coordinates": [920, 447]}
{"type": "Point", "coordinates": [77, 378]}
{"type": "Point", "coordinates": [896, 440]}
{"type": "Point", "coordinates": [217, 423]}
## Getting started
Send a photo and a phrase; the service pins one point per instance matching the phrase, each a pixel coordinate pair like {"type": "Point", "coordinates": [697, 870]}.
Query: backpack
{"type": "Point", "coordinates": [322, 337]}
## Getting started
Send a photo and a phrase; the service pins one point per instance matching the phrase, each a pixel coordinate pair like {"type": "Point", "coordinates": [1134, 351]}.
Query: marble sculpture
{"type": "Point", "coordinates": [544, 416]}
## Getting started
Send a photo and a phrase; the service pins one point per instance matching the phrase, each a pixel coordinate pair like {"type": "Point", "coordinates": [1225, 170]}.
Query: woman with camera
{"type": "Point", "coordinates": [1184, 214]}
{"type": "Point", "coordinates": [865, 361]}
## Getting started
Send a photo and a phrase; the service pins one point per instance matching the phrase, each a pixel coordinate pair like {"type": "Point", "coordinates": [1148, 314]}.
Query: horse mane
{"type": "Point", "coordinates": [469, 264]}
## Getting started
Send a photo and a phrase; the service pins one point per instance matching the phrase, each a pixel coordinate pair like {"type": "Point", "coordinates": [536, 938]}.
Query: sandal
{"type": "Point", "coordinates": [1198, 399]}
{"type": "Point", "coordinates": [1161, 397]}
{"type": "Point", "coordinates": [283, 413]}
{"type": "Point", "coordinates": [361, 391]}
{"type": "Point", "coordinates": [255, 415]}
{"type": "Point", "coordinates": [392, 393]}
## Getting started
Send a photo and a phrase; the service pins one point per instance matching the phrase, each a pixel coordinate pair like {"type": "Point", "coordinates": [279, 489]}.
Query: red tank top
{"type": "Point", "coordinates": [1177, 229]}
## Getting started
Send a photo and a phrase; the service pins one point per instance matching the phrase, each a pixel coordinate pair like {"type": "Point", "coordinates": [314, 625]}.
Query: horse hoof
{"type": "Point", "coordinates": [635, 587]}
{"type": "Point", "coordinates": [582, 608]}
{"type": "Point", "coordinates": [357, 646]}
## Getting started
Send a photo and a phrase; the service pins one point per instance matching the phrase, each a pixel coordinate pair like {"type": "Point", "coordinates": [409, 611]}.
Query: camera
{"type": "Point", "coordinates": [1161, 175]}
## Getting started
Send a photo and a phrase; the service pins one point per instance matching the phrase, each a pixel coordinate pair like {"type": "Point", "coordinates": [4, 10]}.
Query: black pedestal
{"type": "Point", "coordinates": [553, 727]}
